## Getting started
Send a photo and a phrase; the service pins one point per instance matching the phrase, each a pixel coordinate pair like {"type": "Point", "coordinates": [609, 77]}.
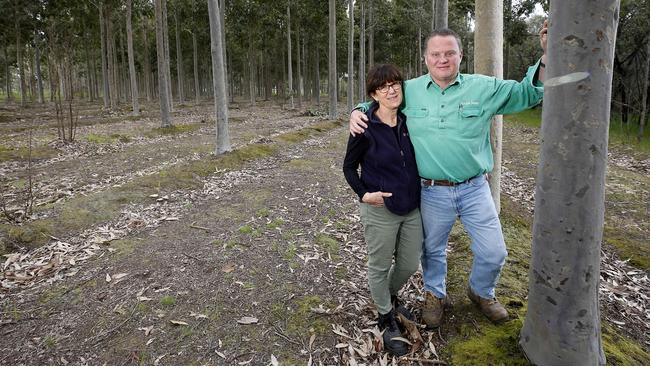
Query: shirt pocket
{"type": "Point", "coordinates": [416, 112]}
{"type": "Point", "coordinates": [472, 121]}
{"type": "Point", "coordinates": [471, 112]}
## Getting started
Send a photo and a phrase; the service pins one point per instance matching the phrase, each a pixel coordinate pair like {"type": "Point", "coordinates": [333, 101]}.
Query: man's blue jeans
{"type": "Point", "coordinates": [472, 203]}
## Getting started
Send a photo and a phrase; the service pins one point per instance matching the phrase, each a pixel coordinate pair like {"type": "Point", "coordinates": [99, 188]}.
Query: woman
{"type": "Point", "coordinates": [389, 190]}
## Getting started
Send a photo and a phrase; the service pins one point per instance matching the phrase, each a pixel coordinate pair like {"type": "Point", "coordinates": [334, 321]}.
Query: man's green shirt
{"type": "Point", "coordinates": [450, 129]}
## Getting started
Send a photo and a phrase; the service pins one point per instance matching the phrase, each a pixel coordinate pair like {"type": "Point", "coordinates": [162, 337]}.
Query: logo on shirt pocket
{"type": "Point", "coordinates": [470, 110]}
{"type": "Point", "coordinates": [416, 112]}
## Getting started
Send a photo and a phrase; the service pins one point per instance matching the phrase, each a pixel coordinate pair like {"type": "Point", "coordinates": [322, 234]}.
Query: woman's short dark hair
{"type": "Point", "coordinates": [380, 75]}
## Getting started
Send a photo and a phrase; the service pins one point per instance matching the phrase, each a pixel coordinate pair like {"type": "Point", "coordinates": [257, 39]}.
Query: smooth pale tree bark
{"type": "Point", "coordinates": [167, 57]}
{"type": "Point", "coordinates": [362, 52]}
{"type": "Point", "coordinates": [433, 15]}
{"type": "Point", "coordinates": [371, 36]}
{"type": "Point", "coordinates": [8, 80]}
{"type": "Point", "coordinates": [132, 75]}
{"type": "Point", "coordinates": [219, 78]}
{"type": "Point", "coordinates": [644, 90]}
{"type": "Point", "coordinates": [299, 75]}
{"type": "Point", "coordinates": [289, 67]}
{"type": "Point", "coordinates": [332, 61]}
{"type": "Point", "coordinates": [195, 56]}
{"type": "Point", "coordinates": [420, 59]}
{"type": "Point", "coordinates": [222, 15]}
{"type": "Point", "coordinates": [39, 74]}
{"type": "Point", "coordinates": [102, 33]}
{"type": "Point", "coordinates": [317, 74]}
{"type": "Point", "coordinates": [562, 325]}
{"type": "Point", "coordinates": [488, 53]}
{"type": "Point", "coordinates": [350, 55]}
{"type": "Point", "coordinates": [19, 60]}
{"type": "Point", "coordinates": [110, 59]}
{"type": "Point", "coordinates": [145, 62]}
{"type": "Point", "coordinates": [442, 13]}
{"type": "Point", "coordinates": [162, 73]}
{"type": "Point", "coordinates": [179, 60]}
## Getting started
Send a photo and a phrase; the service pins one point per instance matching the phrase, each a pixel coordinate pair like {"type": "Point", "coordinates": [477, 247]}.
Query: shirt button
{"type": "Point", "coordinates": [442, 106]}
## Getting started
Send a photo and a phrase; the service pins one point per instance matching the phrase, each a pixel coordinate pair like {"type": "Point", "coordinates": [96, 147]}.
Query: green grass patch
{"type": "Point", "coordinates": [329, 244]}
{"type": "Point", "coordinates": [168, 300]}
{"type": "Point", "coordinates": [22, 153]}
{"type": "Point", "coordinates": [621, 351]}
{"type": "Point", "coordinates": [173, 130]}
{"type": "Point", "coordinates": [107, 139]}
{"type": "Point", "coordinates": [302, 321]}
{"type": "Point", "coordinates": [632, 246]}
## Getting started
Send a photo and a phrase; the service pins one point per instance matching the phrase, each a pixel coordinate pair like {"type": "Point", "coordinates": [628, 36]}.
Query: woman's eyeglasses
{"type": "Point", "coordinates": [384, 89]}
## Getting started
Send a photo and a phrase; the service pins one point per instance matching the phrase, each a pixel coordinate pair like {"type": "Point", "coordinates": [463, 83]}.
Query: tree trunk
{"type": "Point", "coordinates": [110, 59]}
{"type": "Point", "coordinates": [145, 62]}
{"type": "Point", "coordinates": [39, 74]}
{"type": "Point", "coordinates": [644, 97]}
{"type": "Point", "coordinates": [251, 70]}
{"type": "Point", "coordinates": [19, 60]}
{"type": "Point", "coordinates": [317, 74]}
{"type": "Point", "coordinates": [179, 60]}
{"type": "Point", "coordinates": [132, 75]}
{"type": "Point", "coordinates": [219, 78]}
{"type": "Point", "coordinates": [332, 61]}
{"type": "Point", "coordinates": [419, 60]}
{"type": "Point", "coordinates": [162, 73]}
{"type": "Point", "coordinates": [433, 15]}
{"type": "Point", "coordinates": [350, 55]}
{"type": "Point", "coordinates": [562, 325]}
{"type": "Point", "coordinates": [442, 13]}
{"type": "Point", "coordinates": [105, 82]}
{"type": "Point", "coordinates": [167, 57]}
{"type": "Point", "coordinates": [8, 81]}
{"type": "Point", "coordinates": [299, 74]}
{"type": "Point", "coordinates": [195, 49]}
{"type": "Point", "coordinates": [289, 68]}
{"type": "Point", "coordinates": [222, 15]}
{"type": "Point", "coordinates": [371, 36]}
{"type": "Point", "coordinates": [488, 53]}
{"type": "Point", "coordinates": [362, 53]}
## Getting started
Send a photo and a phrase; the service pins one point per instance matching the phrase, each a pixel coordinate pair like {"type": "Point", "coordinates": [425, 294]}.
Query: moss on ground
{"type": "Point", "coordinates": [173, 130]}
{"type": "Point", "coordinates": [302, 321]}
{"type": "Point", "coordinates": [329, 244]}
{"type": "Point", "coordinates": [22, 153]}
{"type": "Point", "coordinates": [107, 139]}
{"type": "Point", "coordinates": [478, 342]}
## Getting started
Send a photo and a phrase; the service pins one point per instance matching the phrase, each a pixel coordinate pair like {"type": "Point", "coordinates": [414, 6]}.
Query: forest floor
{"type": "Point", "coordinates": [143, 248]}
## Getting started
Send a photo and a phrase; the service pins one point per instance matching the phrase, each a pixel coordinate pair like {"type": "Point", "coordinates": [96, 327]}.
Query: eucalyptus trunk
{"type": "Point", "coordinates": [299, 74]}
{"type": "Point", "coordinates": [8, 81]}
{"type": "Point", "coordinates": [195, 51]}
{"type": "Point", "coordinates": [562, 325]}
{"type": "Point", "coordinates": [442, 13]}
{"type": "Point", "coordinates": [644, 96]}
{"type": "Point", "coordinates": [167, 57]}
{"type": "Point", "coordinates": [162, 73]}
{"type": "Point", "coordinates": [19, 61]}
{"type": "Point", "coordinates": [350, 55]}
{"type": "Point", "coordinates": [179, 60]}
{"type": "Point", "coordinates": [332, 61]}
{"type": "Point", "coordinates": [289, 68]}
{"type": "Point", "coordinates": [146, 64]}
{"type": "Point", "coordinates": [102, 35]}
{"type": "Point", "coordinates": [39, 74]}
{"type": "Point", "coordinates": [371, 35]}
{"type": "Point", "coordinates": [362, 52]}
{"type": "Point", "coordinates": [488, 53]}
{"type": "Point", "coordinates": [219, 77]}
{"type": "Point", "coordinates": [132, 75]}
{"type": "Point", "coordinates": [317, 75]}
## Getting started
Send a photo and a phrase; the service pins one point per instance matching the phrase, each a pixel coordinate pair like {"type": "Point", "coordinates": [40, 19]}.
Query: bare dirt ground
{"type": "Point", "coordinates": [259, 262]}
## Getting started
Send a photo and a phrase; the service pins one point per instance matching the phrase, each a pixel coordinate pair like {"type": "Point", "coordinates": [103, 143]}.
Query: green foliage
{"type": "Point", "coordinates": [168, 300]}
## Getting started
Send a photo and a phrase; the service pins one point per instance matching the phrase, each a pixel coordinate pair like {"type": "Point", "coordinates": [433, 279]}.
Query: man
{"type": "Point", "coordinates": [449, 116]}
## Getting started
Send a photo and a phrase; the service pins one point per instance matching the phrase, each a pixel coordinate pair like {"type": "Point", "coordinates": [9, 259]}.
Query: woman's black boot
{"type": "Point", "coordinates": [388, 324]}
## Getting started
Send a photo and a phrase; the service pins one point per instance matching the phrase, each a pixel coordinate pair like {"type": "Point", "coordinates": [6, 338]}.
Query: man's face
{"type": "Point", "coordinates": [443, 58]}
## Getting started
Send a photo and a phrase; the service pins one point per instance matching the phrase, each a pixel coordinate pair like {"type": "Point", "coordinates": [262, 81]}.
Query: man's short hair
{"type": "Point", "coordinates": [444, 32]}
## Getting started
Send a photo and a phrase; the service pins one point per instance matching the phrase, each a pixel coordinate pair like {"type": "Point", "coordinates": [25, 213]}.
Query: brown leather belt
{"type": "Point", "coordinates": [444, 183]}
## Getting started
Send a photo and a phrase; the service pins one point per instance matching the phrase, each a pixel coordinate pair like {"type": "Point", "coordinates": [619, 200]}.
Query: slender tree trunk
{"type": "Point", "coordinates": [350, 55]}
{"type": "Point", "coordinates": [562, 325]}
{"type": "Point", "coordinates": [195, 49]}
{"type": "Point", "coordinates": [8, 80]}
{"type": "Point", "coordinates": [110, 58]}
{"type": "Point", "coordinates": [298, 61]}
{"type": "Point", "coordinates": [219, 78]}
{"type": "Point", "coordinates": [442, 13]}
{"type": "Point", "coordinates": [146, 62]}
{"type": "Point", "coordinates": [251, 70]}
{"type": "Point", "coordinates": [332, 61]}
{"type": "Point", "coordinates": [317, 75]}
{"type": "Point", "coordinates": [132, 75]}
{"type": "Point", "coordinates": [362, 52]}
{"type": "Point", "coordinates": [162, 73]}
{"type": "Point", "coordinates": [371, 35]}
{"type": "Point", "coordinates": [104, 46]}
{"type": "Point", "coordinates": [644, 96]}
{"type": "Point", "coordinates": [433, 15]}
{"type": "Point", "coordinates": [419, 51]}
{"type": "Point", "coordinates": [167, 57]}
{"type": "Point", "coordinates": [179, 60]}
{"type": "Point", "coordinates": [39, 74]}
{"type": "Point", "coordinates": [488, 53]}
{"type": "Point", "coordinates": [289, 67]}
{"type": "Point", "coordinates": [222, 15]}
{"type": "Point", "coordinates": [19, 60]}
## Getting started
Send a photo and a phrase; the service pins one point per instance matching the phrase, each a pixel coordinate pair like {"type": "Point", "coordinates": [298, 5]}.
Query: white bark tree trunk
{"type": "Point", "coordinates": [644, 96]}
{"type": "Point", "coordinates": [289, 67]}
{"type": "Point", "coordinates": [562, 325]}
{"type": "Point", "coordinates": [488, 53]}
{"type": "Point", "coordinates": [179, 60]}
{"type": "Point", "coordinates": [350, 55]}
{"type": "Point", "coordinates": [362, 52]}
{"type": "Point", "coordinates": [162, 73]}
{"type": "Point", "coordinates": [132, 75]}
{"type": "Point", "coordinates": [332, 61]}
{"type": "Point", "coordinates": [219, 78]}
{"type": "Point", "coordinates": [442, 13]}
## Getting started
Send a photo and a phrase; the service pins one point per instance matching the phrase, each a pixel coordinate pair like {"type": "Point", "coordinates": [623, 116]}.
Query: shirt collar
{"type": "Point", "coordinates": [459, 80]}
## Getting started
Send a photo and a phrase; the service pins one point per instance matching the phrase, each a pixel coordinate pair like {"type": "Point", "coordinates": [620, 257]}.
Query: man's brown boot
{"type": "Point", "coordinates": [432, 311]}
{"type": "Point", "coordinates": [491, 308]}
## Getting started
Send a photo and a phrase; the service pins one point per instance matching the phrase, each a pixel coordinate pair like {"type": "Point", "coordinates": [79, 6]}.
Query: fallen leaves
{"type": "Point", "coordinates": [247, 320]}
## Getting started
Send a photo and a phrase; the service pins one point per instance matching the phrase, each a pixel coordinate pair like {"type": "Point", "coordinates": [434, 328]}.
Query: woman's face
{"type": "Point", "coordinates": [389, 95]}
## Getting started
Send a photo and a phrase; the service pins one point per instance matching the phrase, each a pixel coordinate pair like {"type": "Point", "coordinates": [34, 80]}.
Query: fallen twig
{"type": "Point", "coordinates": [194, 226]}
{"type": "Point", "coordinates": [423, 360]}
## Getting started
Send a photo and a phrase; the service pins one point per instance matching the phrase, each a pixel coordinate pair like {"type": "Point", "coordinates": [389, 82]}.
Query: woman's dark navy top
{"type": "Point", "coordinates": [387, 163]}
